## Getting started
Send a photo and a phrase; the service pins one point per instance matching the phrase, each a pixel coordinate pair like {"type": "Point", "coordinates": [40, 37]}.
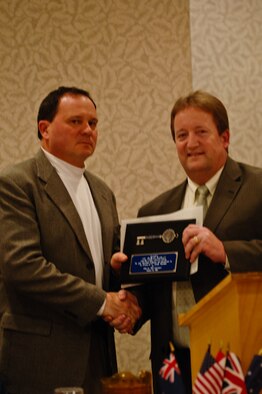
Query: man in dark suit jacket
{"type": "Point", "coordinates": [231, 236]}
{"type": "Point", "coordinates": [59, 228]}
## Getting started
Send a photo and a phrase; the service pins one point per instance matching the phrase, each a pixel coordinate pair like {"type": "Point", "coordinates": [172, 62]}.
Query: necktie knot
{"type": "Point", "coordinates": [202, 191]}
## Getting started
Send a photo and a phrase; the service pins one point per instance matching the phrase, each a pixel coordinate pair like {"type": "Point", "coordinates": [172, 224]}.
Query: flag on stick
{"type": "Point", "coordinates": [234, 381]}
{"type": "Point", "coordinates": [210, 377]}
{"type": "Point", "coordinates": [170, 379]}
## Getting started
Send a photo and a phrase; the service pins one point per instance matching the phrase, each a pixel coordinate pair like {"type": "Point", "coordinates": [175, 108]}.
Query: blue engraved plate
{"type": "Point", "coordinates": [155, 251]}
{"type": "Point", "coordinates": [153, 263]}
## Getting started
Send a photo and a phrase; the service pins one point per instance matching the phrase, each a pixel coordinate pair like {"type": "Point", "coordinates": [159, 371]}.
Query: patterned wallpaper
{"type": "Point", "coordinates": [135, 58]}
{"type": "Point", "coordinates": [226, 42]}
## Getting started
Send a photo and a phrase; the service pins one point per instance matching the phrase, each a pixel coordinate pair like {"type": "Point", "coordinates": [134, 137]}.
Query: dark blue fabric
{"type": "Point", "coordinates": [253, 377]}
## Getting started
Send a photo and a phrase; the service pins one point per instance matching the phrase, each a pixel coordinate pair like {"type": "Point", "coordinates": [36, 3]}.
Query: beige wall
{"type": "Point", "coordinates": [135, 58]}
{"type": "Point", "coordinates": [226, 41]}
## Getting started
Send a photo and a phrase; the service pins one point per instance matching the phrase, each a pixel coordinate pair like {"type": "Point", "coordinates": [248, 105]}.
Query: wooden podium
{"type": "Point", "coordinates": [229, 317]}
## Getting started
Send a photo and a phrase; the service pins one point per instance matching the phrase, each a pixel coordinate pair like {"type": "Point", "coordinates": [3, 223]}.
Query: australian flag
{"type": "Point", "coordinates": [170, 379]}
{"type": "Point", "coordinates": [254, 375]}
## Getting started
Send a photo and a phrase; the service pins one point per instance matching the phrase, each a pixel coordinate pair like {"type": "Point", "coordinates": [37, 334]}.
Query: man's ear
{"type": "Point", "coordinates": [225, 137]}
{"type": "Point", "coordinates": [43, 128]}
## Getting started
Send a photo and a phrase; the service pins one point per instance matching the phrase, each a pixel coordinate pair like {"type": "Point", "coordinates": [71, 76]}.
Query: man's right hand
{"type": "Point", "coordinates": [121, 310]}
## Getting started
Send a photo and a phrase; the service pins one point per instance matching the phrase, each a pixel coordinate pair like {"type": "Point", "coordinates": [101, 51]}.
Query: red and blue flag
{"type": "Point", "coordinates": [234, 380]}
{"type": "Point", "coordinates": [170, 378]}
{"type": "Point", "coordinates": [210, 377]}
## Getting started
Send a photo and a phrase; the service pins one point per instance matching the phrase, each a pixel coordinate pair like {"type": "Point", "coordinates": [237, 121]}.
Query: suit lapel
{"type": "Point", "coordinates": [174, 203]}
{"type": "Point", "coordinates": [102, 204]}
{"type": "Point", "coordinates": [227, 188]}
{"type": "Point", "coordinates": [59, 195]}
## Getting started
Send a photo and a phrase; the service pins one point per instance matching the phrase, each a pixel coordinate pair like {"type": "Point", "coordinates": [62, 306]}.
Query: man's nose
{"type": "Point", "coordinates": [192, 140]}
{"type": "Point", "coordinates": [87, 128]}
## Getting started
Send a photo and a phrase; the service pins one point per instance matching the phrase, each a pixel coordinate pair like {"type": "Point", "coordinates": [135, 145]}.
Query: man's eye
{"type": "Point", "coordinates": [76, 121]}
{"type": "Point", "coordinates": [181, 136]}
{"type": "Point", "coordinates": [92, 124]}
{"type": "Point", "coordinates": [202, 131]}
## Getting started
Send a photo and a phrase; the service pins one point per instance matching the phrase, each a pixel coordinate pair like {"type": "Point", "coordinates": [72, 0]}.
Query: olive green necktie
{"type": "Point", "coordinates": [184, 292]}
{"type": "Point", "coordinates": [201, 195]}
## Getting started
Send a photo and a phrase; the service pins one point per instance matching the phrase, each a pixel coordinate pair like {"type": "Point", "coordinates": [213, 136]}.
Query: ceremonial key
{"type": "Point", "coordinates": [167, 237]}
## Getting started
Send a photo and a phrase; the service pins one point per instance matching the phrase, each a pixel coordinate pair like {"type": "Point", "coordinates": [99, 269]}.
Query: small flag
{"type": "Point", "coordinates": [210, 377]}
{"type": "Point", "coordinates": [170, 379]}
{"type": "Point", "coordinates": [253, 377]}
{"type": "Point", "coordinates": [234, 381]}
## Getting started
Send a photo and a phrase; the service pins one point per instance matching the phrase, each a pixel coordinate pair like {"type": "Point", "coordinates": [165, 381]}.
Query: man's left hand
{"type": "Point", "coordinates": [197, 239]}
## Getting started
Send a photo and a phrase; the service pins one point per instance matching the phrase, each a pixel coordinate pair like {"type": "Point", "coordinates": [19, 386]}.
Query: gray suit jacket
{"type": "Point", "coordinates": [235, 216]}
{"type": "Point", "coordinates": [48, 295]}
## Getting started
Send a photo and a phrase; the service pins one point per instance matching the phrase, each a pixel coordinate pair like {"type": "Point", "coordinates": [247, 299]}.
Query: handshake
{"type": "Point", "coordinates": [121, 309]}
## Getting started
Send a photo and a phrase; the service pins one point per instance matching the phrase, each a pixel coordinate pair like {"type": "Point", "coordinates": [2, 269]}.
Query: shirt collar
{"type": "Point", "coordinates": [211, 184]}
{"type": "Point", "coordinates": [62, 167]}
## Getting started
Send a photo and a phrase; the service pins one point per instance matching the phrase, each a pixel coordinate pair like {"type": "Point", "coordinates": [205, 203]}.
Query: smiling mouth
{"type": "Point", "coordinates": [194, 154]}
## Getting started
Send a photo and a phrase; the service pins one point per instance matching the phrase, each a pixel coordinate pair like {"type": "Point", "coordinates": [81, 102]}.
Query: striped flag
{"type": "Point", "coordinates": [234, 380]}
{"type": "Point", "coordinates": [209, 379]}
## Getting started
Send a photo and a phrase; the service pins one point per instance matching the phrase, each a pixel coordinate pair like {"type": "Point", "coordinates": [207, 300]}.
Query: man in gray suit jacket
{"type": "Point", "coordinates": [231, 236]}
{"type": "Point", "coordinates": [59, 229]}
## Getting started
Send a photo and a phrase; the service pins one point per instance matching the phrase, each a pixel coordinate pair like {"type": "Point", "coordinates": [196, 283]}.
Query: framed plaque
{"type": "Point", "coordinates": [155, 251]}
{"type": "Point", "coordinates": [154, 247]}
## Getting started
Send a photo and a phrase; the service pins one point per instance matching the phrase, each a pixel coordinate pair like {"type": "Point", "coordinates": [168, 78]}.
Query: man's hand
{"type": "Point", "coordinates": [197, 239]}
{"type": "Point", "coordinates": [117, 260]}
{"type": "Point", "coordinates": [121, 311]}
